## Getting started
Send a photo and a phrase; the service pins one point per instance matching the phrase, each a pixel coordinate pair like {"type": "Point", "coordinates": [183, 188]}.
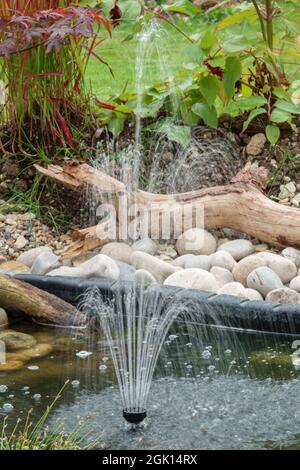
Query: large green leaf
{"type": "Point", "coordinates": [184, 7]}
{"type": "Point", "coordinates": [208, 40]}
{"type": "Point", "coordinates": [238, 17]}
{"type": "Point", "coordinates": [288, 107]}
{"type": "Point", "coordinates": [245, 103]}
{"type": "Point", "coordinates": [209, 88]}
{"type": "Point", "coordinates": [254, 113]}
{"type": "Point", "coordinates": [272, 133]}
{"type": "Point", "coordinates": [233, 72]}
{"type": "Point", "coordinates": [209, 115]}
{"type": "Point", "coordinates": [235, 44]}
{"type": "Point", "coordinates": [280, 116]}
{"type": "Point", "coordinates": [179, 134]}
{"type": "Point", "coordinates": [187, 114]}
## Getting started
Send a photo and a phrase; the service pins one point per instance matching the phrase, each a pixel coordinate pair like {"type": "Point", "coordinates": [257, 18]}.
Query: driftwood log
{"type": "Point", "coordinates": [240, 205]}
{"type": "Point", "coordinates": [41, 306]}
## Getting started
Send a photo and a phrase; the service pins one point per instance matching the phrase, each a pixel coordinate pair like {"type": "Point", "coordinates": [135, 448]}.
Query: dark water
{"type": "Point", "coordinates": [213, 389]}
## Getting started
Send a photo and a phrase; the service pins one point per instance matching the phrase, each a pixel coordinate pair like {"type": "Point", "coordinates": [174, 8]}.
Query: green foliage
{"type": "Point", "coordinates": [245, 64]}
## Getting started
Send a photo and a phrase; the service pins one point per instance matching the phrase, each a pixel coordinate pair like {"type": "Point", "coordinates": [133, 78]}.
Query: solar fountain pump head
{"type": "Point", "coordinates": [134, 415]}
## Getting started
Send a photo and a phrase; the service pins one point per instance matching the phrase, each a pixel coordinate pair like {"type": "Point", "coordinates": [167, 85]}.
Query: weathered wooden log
{"type": "Point", "coordinates": [239, 205]}
{"type": "Point", "coordinates": [41, 306]}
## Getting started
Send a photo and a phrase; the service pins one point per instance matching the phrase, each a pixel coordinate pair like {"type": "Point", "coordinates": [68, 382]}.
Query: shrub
{"type": "Point", "coordinates": [45, 46]}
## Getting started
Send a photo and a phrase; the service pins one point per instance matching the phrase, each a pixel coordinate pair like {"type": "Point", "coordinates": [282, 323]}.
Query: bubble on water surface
{"type": "Point", "coordinates": [7, 407]}
{"type": "Point", "coordinates": [83, 354]}
{"type": "Point", "coordinates": [3, 388]}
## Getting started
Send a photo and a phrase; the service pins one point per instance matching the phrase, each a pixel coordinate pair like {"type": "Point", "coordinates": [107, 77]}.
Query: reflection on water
{"type": "Point", "coordinates": [213, 388]}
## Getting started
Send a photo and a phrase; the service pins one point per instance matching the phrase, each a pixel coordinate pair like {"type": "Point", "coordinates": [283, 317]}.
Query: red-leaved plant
{"type": "Point", "coordinates": [45, 46]}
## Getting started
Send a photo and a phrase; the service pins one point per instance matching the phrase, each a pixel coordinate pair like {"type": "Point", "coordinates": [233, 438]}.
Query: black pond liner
{"type": "Point", "coordinates": [211, 309]}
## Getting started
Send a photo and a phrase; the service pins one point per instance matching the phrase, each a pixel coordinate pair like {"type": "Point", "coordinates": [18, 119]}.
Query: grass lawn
{"type": "Point", "coordinates": [168, 49]}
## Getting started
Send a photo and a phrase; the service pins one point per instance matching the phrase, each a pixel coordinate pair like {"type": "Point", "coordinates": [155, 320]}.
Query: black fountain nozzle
{"type": "Point", "coordinates": [134, 415]}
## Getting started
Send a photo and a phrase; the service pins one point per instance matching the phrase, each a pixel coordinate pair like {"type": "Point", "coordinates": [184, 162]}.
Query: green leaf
{"type": "Point", "coordinates": [235, 44]}
{"type": "Point", "coordinates": [187, 114]}
{"type": "Point", "coordinates": [208, 40]}
{"type": "Point", "coordinates": [233, 72]}
{"type": "Point", "coordinates": [288, 107]}
{"type": "Point", "coordinates": [184, 7]}
{"type": "Point", "coordinates": [116, 126]}
{"type": "Point", "coordinates": [209, 115]}
{"type": "Point", "coordinates": [209, 88]}
{"type": "Point", "coordinates": [272, 133]}
{"type": "Point", "coordinates": [280, 116]}
{"type": "Point", "coordinates": [245, 103]}
{"type": "Point", "coordinates": [179, 134]}
{"type": "Point", "coordinates": [249, 14]}
{"type": "Point", "coordinates": [254, 113]}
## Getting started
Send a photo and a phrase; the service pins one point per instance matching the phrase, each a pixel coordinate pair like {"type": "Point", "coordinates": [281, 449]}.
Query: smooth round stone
{"type": "Point", "coordinates": [233, 288]}
{"type": "Point", "coordinates": [14, 340]}
{"type": "Point", "coordinates": [245, 266]}
{"type": "Point", "coordinates": [252, 294]}
{"type": "Point", "coordinates": [237, 248]}
{"type": "Point", "coordinates": [40, 350]}
{"type": "Point", "coordinates": [126, 271]}
{"type": "Point", "coordinates": [196, 241]}
{"type": "Point", "coordinates": [295, 284]}
{"type": "Point", "coordinates": [193, 261]}
{"type": "Point", "coordinates": [283, 295]}
{"type": "Point", "coordinates": [29, 257]}
{"type": "Point", "coordinates": [14, 267]}
{"type": "Point", "coordinates": [223, 259]}
{"type": "Point", "coordinates": [118, 251]}
{"type": "Point", "coordinates": [283, 267]}
{"type": "Point", "coordinates": [141, 276]}
{"type": "Point", "coordinates": [222, 275]}
{"type": "Point", "coordinates": [11, 365]}
{"type": "Point", "coordinates": [264, 280]}
{"type": "Point", "coordinates": [46, 261]}
{"type": "Point", "coordinates": [98, 266]}
{"type": "Point", "coordinates": [293, 255]}
{"type": "Point", "coordinates": [193, 278]}
{"type": "Point", "coordinates": [146, 245]}
{"type": "Point", "coordinates": [3, 317]}
{"type": "Point", "coordinates": [158, 268]}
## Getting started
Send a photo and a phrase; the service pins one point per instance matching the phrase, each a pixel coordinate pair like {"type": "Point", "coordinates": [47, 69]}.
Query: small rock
{"type": "Point", "coordinates": [3, 317]}
{"type": "Point", "coordinates": [264, 280]}
{"type": "Point", "coordinates": [261, 247]}
{"type": "Point", "coordinates": [256, 145]}
{"type": "Point", "coordinates": [283, 295]}
{"type": "Point", "coordinates": [14, 267]}
{"type": "Point", "coordinates": [287, 191]}
{"type": "Point", "coordinates": [238, 248]}
{"type": "Point", "coordinates": [146, 245]}
{"type": "Point", "coordinates": [283, 267]}
{"type": "Point", "coordinates": [20, 243]}
{"type": "Point", "coordinates": [118, 251]}
{"type": "Point", "coordinates": [15, 340]}
{"type": "Point", "coordinates": [196, 241]}
{"type": "Point", "coordinates": [295, 284]}
{"type": "Point", "coordinates": [141, 276]}
{"type": "Point", "coordinates": [193, 261]}
{"type": "Point", "coordinates": [252, 294]}
{"type": "Point", "coordinates": [158, 268]}
{"type": "Point", "coordinates": [193, 279]}
{"type": "Point", "coordinates": [30, 256]}
{"type": "Point", "coordinates": [45, 262]}
{"type": "Point", "coordinates": [126, 271]}
{"type": "Point", "coordinates": [222, 275]}
{"type": "Point", "coordinates": [98, 266]}
{"type": "Point", "coordinates": [293, 255]}
{"type": "Point", "coordinates": [233, 288]}
{"type": "Point", "coordinates": [223, 259]}
{"type": "Point", "coordinates": [245, 266]}
{"type": "Point", "coordinates": [296, 200]}
{"type": "Point", "coordinates": [11, 365]}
